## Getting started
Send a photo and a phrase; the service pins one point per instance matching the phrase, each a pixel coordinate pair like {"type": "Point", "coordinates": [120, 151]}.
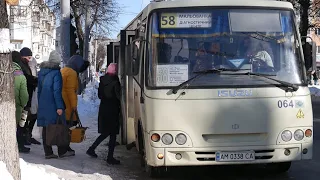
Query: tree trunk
{"type": "Point", "coordinates": [304, 17]}
{"type": "Point", "coordinates": [4, 22]}
{"type": "Point", "coordinates": [80, 34]}
{"type": "Point", "coordinates": [8, 144]}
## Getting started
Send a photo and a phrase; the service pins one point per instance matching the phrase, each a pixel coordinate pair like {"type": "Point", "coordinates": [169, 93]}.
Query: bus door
{"type": "Point", "coordinates": [127, 104]}
{"type": "Point", "coordinates": [110, 53]}
{"type": "Point", "coordinates": [116, 51]}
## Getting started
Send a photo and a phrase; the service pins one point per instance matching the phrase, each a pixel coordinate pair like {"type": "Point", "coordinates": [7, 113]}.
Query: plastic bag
{"type": "Point", "coordinates": [34, 102]}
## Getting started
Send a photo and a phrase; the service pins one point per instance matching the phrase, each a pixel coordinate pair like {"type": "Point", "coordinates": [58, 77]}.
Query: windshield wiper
{"type": "Point", "coordinates": [289, 86]}
{"type": "Point", "coordinates": [175, 89]}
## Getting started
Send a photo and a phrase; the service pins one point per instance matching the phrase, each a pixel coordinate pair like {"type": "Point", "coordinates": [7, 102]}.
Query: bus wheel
{"type": "Point", "coordinates": [155, 172]}
{"type": "Point", "coordinates": [141, 148]}
{"type": "Point", "coordinates": [279, 167]}
{"type": "Point", "coordinates": [142, 161]}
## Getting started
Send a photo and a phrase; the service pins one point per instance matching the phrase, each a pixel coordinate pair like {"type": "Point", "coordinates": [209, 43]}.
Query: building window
{"type": "Point", "coordinates": [36, 16]}
{"type": "Point", "coordinates": [20, 11]}
{"type": "Point", "coordinates": [17, 45]}
{"type": "Point", "coordinates": [36, 31]}
{"type": "Point", "coordinates": [318, 49]}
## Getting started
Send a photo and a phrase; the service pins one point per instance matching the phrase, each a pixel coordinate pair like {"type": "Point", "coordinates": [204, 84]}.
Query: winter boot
{"type": "Point", "coordinates": [113, 161]}
{"type": "Point", "coordinates": [67, 154]}
{"type": "Point", "coordinates": [52, 156]}
{"type": "Point", "coordinates": [91, 152]}
{"type": "Point", "coordinates": [23, 149]}
{"type": "Point", "coordinates": [34, 141]}
{"type": "Point", "coordinates": [26, 140]}
{"type": "Point", "coordinates": [71, 150]}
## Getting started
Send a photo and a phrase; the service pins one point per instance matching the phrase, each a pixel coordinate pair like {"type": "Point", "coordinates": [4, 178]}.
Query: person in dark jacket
{"type": "Point", "coordinates": [109, 110]}
{"type": "Point", "coordinates": [51, 104]}
{"type": "Point", "coordinates": [32, 83]}
{"type": "Point", "coordinates": [315, 77]}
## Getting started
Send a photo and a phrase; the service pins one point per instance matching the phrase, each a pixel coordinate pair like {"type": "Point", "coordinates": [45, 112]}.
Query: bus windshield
{"type": "Point", "coordinates": [183, 42]}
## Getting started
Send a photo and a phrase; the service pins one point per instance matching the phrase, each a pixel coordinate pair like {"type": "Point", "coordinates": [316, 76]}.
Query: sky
{"type": "Point", "coordinates": [130, 8]}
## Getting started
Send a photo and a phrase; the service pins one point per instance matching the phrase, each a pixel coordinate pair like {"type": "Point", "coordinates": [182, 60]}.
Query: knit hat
{"type": "Point", "coordinates": [25, 52]}
{"type": "Point", "coordinates": [55, 57]}
{"type": "Point", "coordinates": [16, 57]}
{"type": "Point", "coordinates": [112, 69]}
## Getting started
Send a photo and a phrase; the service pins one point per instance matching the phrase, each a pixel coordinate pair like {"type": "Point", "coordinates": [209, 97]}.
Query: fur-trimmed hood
{"type": "Point", "coordinates": [49, 65]}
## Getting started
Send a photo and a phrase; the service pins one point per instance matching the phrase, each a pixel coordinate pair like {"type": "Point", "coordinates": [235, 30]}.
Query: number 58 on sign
{"type": "Point", "coordinates": [168, 20]}
{"type": "Point", "coordinates": [185, 20]}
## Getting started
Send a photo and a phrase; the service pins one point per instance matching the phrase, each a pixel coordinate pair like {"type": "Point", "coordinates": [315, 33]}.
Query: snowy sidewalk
{"type": "Point", "coordinates": [81, 166]}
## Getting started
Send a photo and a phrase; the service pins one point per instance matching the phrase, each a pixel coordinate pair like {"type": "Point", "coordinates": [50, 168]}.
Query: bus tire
{"type": "Point", "coordinates": [281, 167]}
{"type": "Point", "coordinates": [141, 146]}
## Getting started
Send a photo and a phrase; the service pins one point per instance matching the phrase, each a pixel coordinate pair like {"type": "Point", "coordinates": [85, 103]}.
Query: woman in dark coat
{"type": "Point", "coordinates": [109, 110]}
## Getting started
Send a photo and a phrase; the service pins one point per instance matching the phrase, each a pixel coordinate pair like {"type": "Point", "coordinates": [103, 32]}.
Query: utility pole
{"type": "Point", "coordinates": [95, 54]}
{"type": "Point", "coordinates": [65, 30]}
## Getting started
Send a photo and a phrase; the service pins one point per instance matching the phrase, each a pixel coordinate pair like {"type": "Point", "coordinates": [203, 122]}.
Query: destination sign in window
{"type": "Point", "coordinates": [186, 20]}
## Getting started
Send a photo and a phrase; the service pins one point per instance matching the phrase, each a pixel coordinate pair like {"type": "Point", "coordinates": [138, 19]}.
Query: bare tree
{"type": "Point", "coordinates": [8, 144]}
{"type": "Point", "coordinates": [104, 17]}
{"type": "Point", "coordinates": [101, 54]}
{"type": "Point", "coordinates": [103, 20]}
{"type": "Point", "coordinates": [306, 10]}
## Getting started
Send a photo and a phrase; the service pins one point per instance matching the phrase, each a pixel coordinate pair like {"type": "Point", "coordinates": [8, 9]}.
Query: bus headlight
{"type": "Point", "coordinates": [298, 135]}
{"type": "Point", "coordinates": [167, 139]}
{"type": "Point", "coordinates": [181, 139]}
{"type": "Point", "coordinates": [286, 136]}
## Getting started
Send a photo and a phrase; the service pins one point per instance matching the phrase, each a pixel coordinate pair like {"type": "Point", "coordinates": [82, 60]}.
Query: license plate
{"type": "Point", "coordinates": [235, 156]}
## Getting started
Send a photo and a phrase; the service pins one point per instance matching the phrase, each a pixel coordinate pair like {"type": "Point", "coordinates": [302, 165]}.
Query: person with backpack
{"type": "Point", "coordinates": [109, 111]}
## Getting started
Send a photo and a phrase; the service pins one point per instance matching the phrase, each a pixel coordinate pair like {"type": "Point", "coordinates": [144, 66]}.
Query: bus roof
{"type": "Point", "coordinates": [205, 3]}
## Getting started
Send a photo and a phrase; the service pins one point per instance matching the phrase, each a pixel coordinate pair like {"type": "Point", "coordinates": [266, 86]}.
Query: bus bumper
{"type": "Point", "coordinates": [206, 156]}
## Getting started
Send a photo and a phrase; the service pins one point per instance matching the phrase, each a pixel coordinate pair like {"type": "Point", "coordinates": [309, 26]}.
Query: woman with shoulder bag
{"type": "Point", "coordinates": [50, 102]}
{"type": "Point", "coordinates": [109, 110]}
{"type": "Point", "coordinates": [70, 77]}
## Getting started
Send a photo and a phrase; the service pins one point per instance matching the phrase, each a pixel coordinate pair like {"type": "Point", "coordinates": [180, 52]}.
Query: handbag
{"type": "Point", "coordinates": [78, 132]}
{"type": "Point", "coordinates": [58, 134]}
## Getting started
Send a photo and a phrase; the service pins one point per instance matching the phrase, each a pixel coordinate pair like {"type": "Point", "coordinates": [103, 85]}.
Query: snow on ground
{"type": "Point", "coordinates": [81, 166]}
{"type": "Point", "coordinates": [4, 174]}
{"type": "Point", "coordinates": [28, 171]}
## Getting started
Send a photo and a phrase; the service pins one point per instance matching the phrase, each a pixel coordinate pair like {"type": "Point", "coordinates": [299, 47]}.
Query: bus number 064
{"type": "Point", "coordinates": [165, 20]}
{"type": "Point", "coordinates": [285, 104]}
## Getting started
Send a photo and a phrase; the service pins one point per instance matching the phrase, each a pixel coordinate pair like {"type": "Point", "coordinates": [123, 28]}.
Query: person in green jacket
{"type": "Point", "coordinates": [21, 96]}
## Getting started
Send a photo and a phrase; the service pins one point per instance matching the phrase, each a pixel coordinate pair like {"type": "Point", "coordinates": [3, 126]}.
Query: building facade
{"type": "Point", "coordinates": [32, 25]}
